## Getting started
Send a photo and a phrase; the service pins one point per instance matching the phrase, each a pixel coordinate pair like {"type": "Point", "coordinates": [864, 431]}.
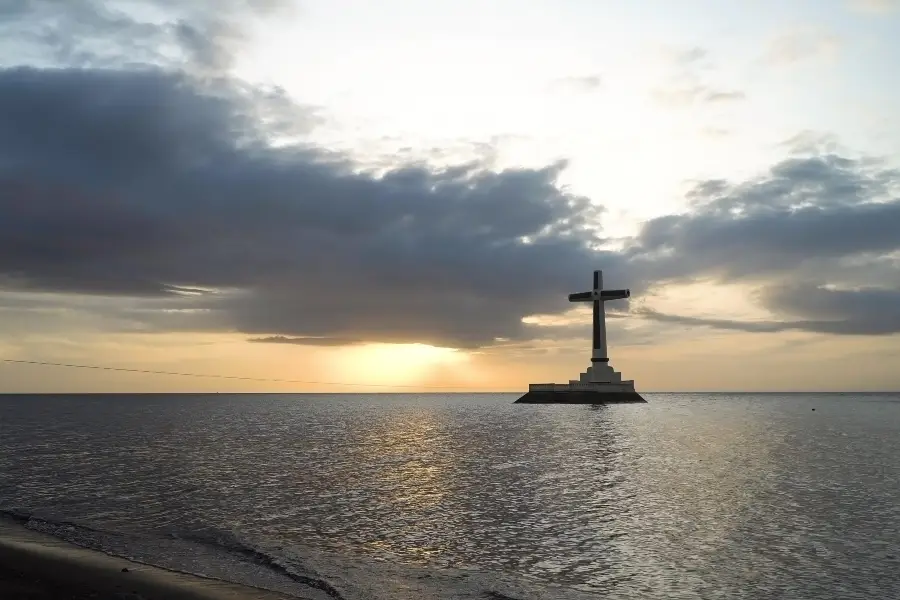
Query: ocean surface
{"type": "Point", "coordinates": [470, 496]}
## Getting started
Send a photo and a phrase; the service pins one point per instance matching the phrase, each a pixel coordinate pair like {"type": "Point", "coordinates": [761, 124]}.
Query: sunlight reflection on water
{"type": "Point", "coordinates": [689, 496]}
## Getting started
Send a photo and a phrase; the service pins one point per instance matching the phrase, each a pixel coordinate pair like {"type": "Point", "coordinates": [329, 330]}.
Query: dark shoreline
{"type": "Point", "coordinates": [35, 566]}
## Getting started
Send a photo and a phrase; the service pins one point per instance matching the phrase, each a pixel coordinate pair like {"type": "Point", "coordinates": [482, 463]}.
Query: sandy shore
{"type": "Point", "coordinates": [35, 566]}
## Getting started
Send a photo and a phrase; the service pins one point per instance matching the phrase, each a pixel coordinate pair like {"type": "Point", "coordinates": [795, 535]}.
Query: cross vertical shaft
{"type": "Point", "coordinates": [599, 297]}
{"type": "Point", "coordinates": [599, 351]}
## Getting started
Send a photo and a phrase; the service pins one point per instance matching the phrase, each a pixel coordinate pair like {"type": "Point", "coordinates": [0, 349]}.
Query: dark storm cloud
{"type": "Point", "coordinates": [840, 312]}
{"type": "Point", "coordinates": [147, 183]}
{"type": "Point", "coordinates": [803, 209]}
{"type": "Point", "coordinates": [866, 311]}
{"type": "Point", "coordinates": [158, 186]}
{"type": "Point", "coordinates": [748, 326]}
{"type": "Point", "coordinates": [144, 183]}
{"type": "Point", "coordinates": [807, 224]}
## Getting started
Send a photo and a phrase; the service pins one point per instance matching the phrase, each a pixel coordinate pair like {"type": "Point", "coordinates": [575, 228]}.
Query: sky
{"type": "Point", "coordinates": [346, 196]}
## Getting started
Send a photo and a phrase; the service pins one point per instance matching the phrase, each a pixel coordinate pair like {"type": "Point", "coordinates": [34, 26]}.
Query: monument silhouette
{"type": "Point", "coordinates": [600, 383]}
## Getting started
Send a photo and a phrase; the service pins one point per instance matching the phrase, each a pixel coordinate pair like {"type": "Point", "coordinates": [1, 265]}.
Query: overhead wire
{"type": "Point", "coordinates": [235, 377]}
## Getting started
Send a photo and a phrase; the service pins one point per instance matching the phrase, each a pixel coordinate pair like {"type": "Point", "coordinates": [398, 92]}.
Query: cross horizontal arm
{"type": "Point", "coordinates": [599, 295]}
{"type": "Point", "coordinates": [582, 297]}
{"type": "Point", "coordinates": [615, 294]}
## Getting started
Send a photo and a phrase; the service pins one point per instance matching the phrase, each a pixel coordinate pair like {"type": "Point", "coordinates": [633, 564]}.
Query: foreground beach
{"type": "Point", "coordinates": [35, 566]}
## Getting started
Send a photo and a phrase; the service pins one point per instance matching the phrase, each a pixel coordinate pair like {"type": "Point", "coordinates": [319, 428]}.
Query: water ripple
{"type": "Point", "coordinates": [691, 496]}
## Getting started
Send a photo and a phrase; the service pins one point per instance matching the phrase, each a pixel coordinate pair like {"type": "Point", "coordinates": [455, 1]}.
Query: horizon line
{"type": "Point", "coordinates": [428, 392]}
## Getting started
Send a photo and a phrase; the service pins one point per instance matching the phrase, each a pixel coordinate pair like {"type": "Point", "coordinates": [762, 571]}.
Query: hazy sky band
{"type": "Point", "coordinates": [298, 175]}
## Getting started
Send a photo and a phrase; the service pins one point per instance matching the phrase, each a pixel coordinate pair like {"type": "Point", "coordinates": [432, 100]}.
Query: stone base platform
{"type": "Point", "coordinates": [581, 393]}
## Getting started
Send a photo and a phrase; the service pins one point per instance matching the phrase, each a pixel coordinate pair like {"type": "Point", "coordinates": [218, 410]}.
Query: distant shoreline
{"type": "Point", "coordinates": [38, 566]}
{"type": "Point", "coordinates": [427, 393]}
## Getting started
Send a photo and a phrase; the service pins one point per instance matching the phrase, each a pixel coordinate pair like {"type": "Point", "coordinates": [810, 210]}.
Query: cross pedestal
{"type": "Point", "coordinates": [599, 383]}
{"type": "Point", "coordinates": [599, 373]}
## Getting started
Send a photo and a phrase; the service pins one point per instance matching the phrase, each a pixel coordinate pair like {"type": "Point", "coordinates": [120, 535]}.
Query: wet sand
{"type": "Point", "coordinates": [34, 566]}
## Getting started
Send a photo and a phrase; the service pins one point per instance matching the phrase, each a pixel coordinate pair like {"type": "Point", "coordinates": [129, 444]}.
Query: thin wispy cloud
{"type": "Point", "coordinates": [577, 83]}
{"type": "Point", "coordinates": [692, 80]}
{"type": "Point", "coordinates": [696, 94]}
{"type": "Point", "coordinates": [801, 45]}
{"type": "Point", "coordinates": [875, 7]}
{"type": "Point", "coordinates": [812, 142]}
{"type": "Point", "coordinates": [715, 132]}
{"type": "Point", "coordinates": [690, 56]}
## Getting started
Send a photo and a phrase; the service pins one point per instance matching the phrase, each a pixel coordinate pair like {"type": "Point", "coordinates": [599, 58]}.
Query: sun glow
{"type": "Point", "coordinates": [401, 364]}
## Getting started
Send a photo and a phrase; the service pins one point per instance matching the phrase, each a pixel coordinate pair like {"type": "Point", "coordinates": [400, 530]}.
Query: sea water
{"type": "Point", "coordinates": [471, 496]}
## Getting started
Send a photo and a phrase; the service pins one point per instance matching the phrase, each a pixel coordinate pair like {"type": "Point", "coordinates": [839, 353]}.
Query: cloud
{"type": "Point", "coordinates": [812, 143]}
{"type": "Point", "coordinates": [681, 56]}
{"type": "Point", "coordinates": [806, 210]}
{"type": "Point", "coordinates": [864, 311]}
{"type": "Point", "coordinates": [876, 7]}
{"type": "Point", "coordinates": [693, 94]}
{"type": "Point", "coordinates": [147, 183]}
{"type": "Point", "coordinates": [163, 191]}
{"type": "Point", "coordinates": [307, 341]}
{"type": "Point", "coordinates": [843, 312]}
{"type": "Point", "coordinates": [735, 325]}
{"type": "Point", "coordinates": [801, 45]}
{"type": "Point", "coordinates": [202, 36]}
{"type": "Point", "coordinates": [715, 132]}
{"type": "Point", "coordinates": [578, 84]}
{"type": "Point", "coordinates": [686, 86]}
{"type": "Point", "coordinates": [815, 234]}
{"type": "Point", "coordinates": [158, 188]}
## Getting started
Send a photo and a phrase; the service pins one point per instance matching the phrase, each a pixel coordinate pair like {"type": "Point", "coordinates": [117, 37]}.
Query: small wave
{"type": "Point", "coordinates": [25, 517]}
{"type": "Point", "coordinates": [498, 596]}
{"type": "Point", "coordinates": [156, 551]}
{"type": "Point", "coordinates": [231, 542]}
{"type": "Point", "coordinates": [227, 555]}
{"type": "Point", "coordinates": [13, 514]}
{"type": "Point", "coordinates": [66, 529]}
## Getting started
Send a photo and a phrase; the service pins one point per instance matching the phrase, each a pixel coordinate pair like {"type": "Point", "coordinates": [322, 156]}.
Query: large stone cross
{"type": "Point", "coordinates": [599, 296]}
